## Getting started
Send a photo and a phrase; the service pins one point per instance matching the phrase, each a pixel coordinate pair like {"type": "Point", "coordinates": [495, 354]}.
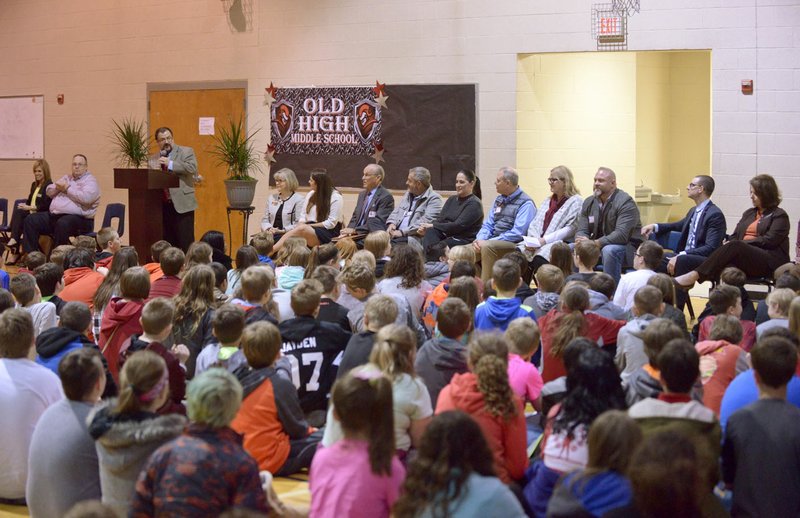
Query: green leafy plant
{"type": "Point", "coordinates": [131, 142]}
{"type": "Point", "coordinates": [234, 148]}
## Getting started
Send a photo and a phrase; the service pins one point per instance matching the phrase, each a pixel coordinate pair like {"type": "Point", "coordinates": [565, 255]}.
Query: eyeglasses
{"type": "Point", "coordinates": [637, 254]}
{"type": "Point", "coordinates": [553, 180]}
{"type": "Point", "coordinates": [693, 185]}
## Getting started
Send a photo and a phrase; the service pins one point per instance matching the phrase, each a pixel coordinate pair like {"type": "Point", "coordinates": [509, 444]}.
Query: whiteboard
{"type": "Point", "coordinates": [22, 127]}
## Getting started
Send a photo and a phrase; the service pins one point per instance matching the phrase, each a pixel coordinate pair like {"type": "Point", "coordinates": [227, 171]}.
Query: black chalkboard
{"type": "Point", "coordinates": [432, 126]}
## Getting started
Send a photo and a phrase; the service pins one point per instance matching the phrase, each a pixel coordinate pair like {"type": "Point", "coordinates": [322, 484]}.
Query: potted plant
{"type": "Point", "coordinates": [131, 142]}
{"type": "Point", "coordinates": [234, 148]}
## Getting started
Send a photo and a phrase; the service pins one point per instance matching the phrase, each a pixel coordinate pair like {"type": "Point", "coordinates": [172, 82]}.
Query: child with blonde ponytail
{"type": "Point", "coordinates": [359, 475]}
{"type": "Point", "coordinates": [485, 394]}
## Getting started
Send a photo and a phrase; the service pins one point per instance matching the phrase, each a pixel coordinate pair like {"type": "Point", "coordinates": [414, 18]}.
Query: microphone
{"type": "Point", "coordinates": [164, 153]}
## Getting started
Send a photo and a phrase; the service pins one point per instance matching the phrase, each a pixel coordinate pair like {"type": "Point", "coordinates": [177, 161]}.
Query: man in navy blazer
{"type": "Point", "coordinates": [702, 230]}
{"type": "Point", "coordinates": [374, 204]}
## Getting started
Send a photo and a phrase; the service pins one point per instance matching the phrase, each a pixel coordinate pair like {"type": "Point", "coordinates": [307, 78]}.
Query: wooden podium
{"type": "Point", "coordinates": [145, 198]}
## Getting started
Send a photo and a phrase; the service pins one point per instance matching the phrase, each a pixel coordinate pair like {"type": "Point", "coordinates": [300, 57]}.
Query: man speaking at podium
{"type": "Point", "coordinates": [179, 202]}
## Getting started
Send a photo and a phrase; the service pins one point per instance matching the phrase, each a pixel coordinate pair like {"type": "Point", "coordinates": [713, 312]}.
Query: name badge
{"type": "Point", "coordinates": [591, 219]}
{"type": "Point", "coordinates": [371, 214]}
{"type": "Point", "coordinates": [409, 213]}
{"type": "Point", "coordinates": [497, 210]}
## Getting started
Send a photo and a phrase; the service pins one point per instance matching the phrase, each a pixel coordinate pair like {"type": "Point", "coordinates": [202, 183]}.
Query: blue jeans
{"type": "Point", "coordinates": [613, 259]}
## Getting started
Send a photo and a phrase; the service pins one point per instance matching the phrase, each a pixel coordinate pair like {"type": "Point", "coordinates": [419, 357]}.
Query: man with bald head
{"type": "Point", "coordinates": [374, 204]}
{"type": "Point", "coordinates": [611, 219]}
{"type": "Point", "coordinates": [508, 220]}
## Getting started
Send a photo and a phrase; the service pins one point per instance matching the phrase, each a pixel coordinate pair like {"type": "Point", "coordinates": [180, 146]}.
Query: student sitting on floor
{"type": "Point", "coordinates": [330, 310]}
{"type": "Point", "coordinates": [522, 336]}
{"type": "Point", "coordinates": [727, 300]}
{"type": "Point", "coordinates": [379, 311]}
{"type": "Point", "coordinates": [275, 431]}
{"type": "Point", "coordinates": [156, 320]}
{"type": "Point", "coordinates": [550, 280]}
{"type": "Point", "coordinates": [721, 360]}
{"type": "Point", "coordinates": [778, 302]}
{"type": "Point", "coordinates": [601, 291]}
{"type": "Point", "coordinates": [29, 297]}
{"type": "Point", "coordinates": [647, 306]}
{"type": "Point", "coordinates": [445, 355]}
{"type": "Point", "coordinates": [227, 326]}
{"type": "Point", "coordinates": [759, 456]}
{"type": "Point", "coordinates": [361, 474]}
{"type": "Point", "coordinates": [645, 382]}
{"type": "Point", "coordinates": [154, 267]}
{"type": "Point", "coordinates": [171, 264]}
{"type": "Point", "coordinates": [256, 296]}
{"type": "Point", "coordinates": [109, 244]}
{"type": "Point", "coordinates": [50, 279]}
{"type": "Point", "coordinates": [222, 475]}
{"type": "Point", "coordinates": [498, 311]}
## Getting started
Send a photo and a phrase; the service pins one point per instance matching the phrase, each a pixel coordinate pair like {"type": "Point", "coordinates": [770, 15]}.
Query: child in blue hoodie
{"type": "Point", "coordinates": [499, 310]}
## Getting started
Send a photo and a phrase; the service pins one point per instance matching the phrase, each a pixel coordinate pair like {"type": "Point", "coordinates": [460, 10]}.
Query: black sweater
{"type": "Point", "coordinates": [460, 218]}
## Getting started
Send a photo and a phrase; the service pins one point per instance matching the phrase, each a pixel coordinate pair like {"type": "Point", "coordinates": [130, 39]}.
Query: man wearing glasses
{"type": "Point", "coordinates": [702, 230]}
{"type": "Point", "coordinates": [374, 204]}
{"type": "Point", "coordinates": [75, 198]}
{"type": "Point", "coordinates": [179, 202]}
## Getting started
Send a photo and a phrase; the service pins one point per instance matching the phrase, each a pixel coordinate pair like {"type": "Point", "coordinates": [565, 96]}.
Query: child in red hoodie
{"type": "Point", "coordinates": [486, 395]}
{"type": "Point", "coordinates": [122, 314]}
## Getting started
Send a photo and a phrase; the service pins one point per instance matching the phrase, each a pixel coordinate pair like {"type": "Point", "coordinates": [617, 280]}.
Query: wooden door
{"type": "Point", "coordinates": [181, 111]}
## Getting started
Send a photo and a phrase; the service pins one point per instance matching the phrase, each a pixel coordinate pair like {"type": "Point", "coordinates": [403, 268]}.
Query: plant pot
{"type": "Point", "coordinates": [240, 193]}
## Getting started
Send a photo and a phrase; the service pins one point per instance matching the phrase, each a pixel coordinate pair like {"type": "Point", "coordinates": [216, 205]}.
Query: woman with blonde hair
{"type": "Point", "coordinates": [37, 201]}
{"type": "Point", "coordinates": [194, 311]}
{"type": "Point", "coordinates": [128, 430]}
{"type": "Point", "coordinates": [485, 394]}
{"type": "Point", "coordinates": [283, 207]}
{"type": "Point", "coordinates": [555, 221]}
{"type": "Point", "coordinates": [393, 355]}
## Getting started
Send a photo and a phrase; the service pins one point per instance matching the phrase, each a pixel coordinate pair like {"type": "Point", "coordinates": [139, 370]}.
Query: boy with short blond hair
{"type": "Point", "coordinates": [585, 257]}
{"type": "Point", "coordinates": [109, 244]}
{"type": "Point", "coordinates": [550, 280]}
{"type": "Point", "coordinates": [379, 310]}
{"type": "Point", "coordinates": [647, 306]}
{"type": "Point", "coordinates": [256, 289]}
{"type": "Point", "coordinates": [263, 242]}
{"type": "Point", "coordinates": [522, 336]}
{"type": "Point", "coordinates": [778, 302]}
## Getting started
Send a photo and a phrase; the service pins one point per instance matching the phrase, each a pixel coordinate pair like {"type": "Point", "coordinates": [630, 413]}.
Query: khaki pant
{"type": "Point", "coordinates": [491, 251]}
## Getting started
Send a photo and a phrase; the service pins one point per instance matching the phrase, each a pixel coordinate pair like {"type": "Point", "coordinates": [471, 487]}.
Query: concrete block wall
{"type": "Point", "coordinates": [101, 54]}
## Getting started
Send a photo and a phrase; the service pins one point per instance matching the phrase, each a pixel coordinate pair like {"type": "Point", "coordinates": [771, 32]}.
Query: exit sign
{"type": "Point", "coordinates": [610, 29]}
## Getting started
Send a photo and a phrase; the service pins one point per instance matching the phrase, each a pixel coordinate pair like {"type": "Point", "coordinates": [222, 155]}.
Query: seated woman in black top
{"type": "Point", "coordinates": [38, 201]}
{"type": "Point", "coordinates": [760, 243]}
{"type": "Point", "coordinates": [461, 217]}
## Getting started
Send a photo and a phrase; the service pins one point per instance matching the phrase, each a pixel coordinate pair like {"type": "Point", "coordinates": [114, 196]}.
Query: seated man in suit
{"type": "Point", "coordinates": [702, 230]}
{"type": "Point", "coordinates": [75, 198]}
{"type": "Point", "coordinates": [420, 204]}
{"type": "Point", "coordinates": [374, 204]}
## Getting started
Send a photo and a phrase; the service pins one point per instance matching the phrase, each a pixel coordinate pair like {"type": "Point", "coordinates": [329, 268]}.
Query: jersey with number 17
{"type": "Point", "coordinates": [315, 350]}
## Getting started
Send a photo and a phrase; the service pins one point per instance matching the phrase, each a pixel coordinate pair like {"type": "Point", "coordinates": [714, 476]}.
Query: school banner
{"type": "Point", "coordinates": [326, 121]}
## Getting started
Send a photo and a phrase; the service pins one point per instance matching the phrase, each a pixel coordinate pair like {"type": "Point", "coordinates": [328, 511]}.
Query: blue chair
{"type": "Point", "coordinates": [113, 211]}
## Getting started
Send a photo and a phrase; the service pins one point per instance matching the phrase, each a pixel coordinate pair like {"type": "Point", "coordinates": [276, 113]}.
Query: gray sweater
{"type": "Point", "coordinates": [61, 448]}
